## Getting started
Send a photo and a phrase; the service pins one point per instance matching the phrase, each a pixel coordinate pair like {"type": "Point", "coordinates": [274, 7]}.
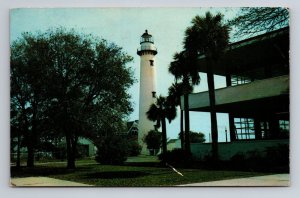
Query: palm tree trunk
{"type": "Point", "coordinates": [181, 129]}
{"type": "Point", "coordinates": [213, 115]}
{"type": "Point", "coordinates": [164, 135]}
{"type": "Point", "coordinates": [187, 123]}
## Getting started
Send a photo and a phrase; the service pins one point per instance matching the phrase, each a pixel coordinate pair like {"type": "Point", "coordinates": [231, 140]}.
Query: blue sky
{"type": "Point", "coordinates": [124, 27]}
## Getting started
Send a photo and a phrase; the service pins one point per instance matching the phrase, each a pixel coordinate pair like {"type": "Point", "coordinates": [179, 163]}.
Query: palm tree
{"type": "Point", "coordinates": [209, 37]}
{"type": "Point", "coordinates": [160, 111]}
{"type": "Point", "coordinates": [185, 69]}
{"type": "Point", "coordinates": [175, 93]}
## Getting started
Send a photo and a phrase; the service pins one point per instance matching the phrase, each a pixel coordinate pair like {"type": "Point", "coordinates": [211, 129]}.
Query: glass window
{"type": "Point", "coordinates": [284, 128]}
{"type": "Point", "coordinates": [244, 128]}
{"type": "Point", "coordinates": [151, 62]}
{"type": "Point", "coordinates": [238, 80]}
{"type": "Point", "coordinates": [153, 94]}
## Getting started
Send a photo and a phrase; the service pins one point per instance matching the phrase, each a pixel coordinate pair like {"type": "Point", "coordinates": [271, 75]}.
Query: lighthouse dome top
{"type": "Point", "coordinates": [147, 45]}
{"type": "Point", "coordinates": [146, 37]}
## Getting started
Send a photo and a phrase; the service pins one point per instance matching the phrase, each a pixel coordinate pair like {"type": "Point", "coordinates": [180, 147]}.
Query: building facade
{"type": "Point", "coordinates": [257, 94]}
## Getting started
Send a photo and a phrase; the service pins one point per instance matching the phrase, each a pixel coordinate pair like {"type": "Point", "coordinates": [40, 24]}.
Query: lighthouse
{"type": "Point", "coordinates": [147, 52]}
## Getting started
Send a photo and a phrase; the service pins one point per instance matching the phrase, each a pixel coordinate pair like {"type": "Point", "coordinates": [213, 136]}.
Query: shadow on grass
{"type": "Point", "coordinates": [116, 175]}
{"type": "Point", "coordinates": [143, 164]}
{"type": "Point", "coordinates": [42, 171]}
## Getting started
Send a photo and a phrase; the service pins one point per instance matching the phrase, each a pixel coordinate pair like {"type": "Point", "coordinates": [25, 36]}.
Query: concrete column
{"type": "Point", "coordinates": [231, 127]}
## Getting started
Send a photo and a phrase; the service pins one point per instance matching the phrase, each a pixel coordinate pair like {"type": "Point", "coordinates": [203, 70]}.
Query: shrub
{"type": "Point", "coordinates": [112, 150]}
{"type": "Point", "coordinates": [195, 137]}
{"type": "Point", "coordinates": [273, 159]}
{"type": "Point", "coordinates": [176, 157]}
{"type": "Point", "coordinates": [153, 141]}
{"type": "Point", "coordinates": [134, 149]}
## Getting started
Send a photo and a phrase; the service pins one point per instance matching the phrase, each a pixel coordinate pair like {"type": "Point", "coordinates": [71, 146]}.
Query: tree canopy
{"type": "Point", "coordinates": [195, 137]}
{"type": "Point", "coordinates": [208, 35]}
{"type": "Point", "coordinates": [153, 139]}
{"type": "Point", "coordinates": [68, 83]}
{"type": "Point", "coordinates": [161, 110]}
{"type": "Point", "coordinates": [252, 21]}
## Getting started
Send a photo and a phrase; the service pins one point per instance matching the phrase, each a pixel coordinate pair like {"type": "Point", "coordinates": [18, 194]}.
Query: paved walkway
{"type": "Point", "coordinates": [268, 180]}
{"type": "Point", "coordinates": [43, 181]}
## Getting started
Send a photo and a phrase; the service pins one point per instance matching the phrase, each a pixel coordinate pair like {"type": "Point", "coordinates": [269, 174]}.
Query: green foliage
{"type": "Point", "coordinates": [61, 84]}
{"type": "Point", "coordinates": [112, 149]}
{"type": "Point", "coordinates": [273, 159]}
{"type": "Point", "coordinates": [161, 110]}
{"type": "Point", "coordinates": [176, 91]}
{"type": "Point", "coordinates": [82, 151]}
{"type": "Point", "coordinates": [177, 157]}
{"type": "Point", "coordinates": [134, 149]}
{"type": "Point", "coordinates": [153, 139]}
{"type": "Point", "coordinates": [207, 35]}
{"type": "Point", "coordinates": [195, 137]}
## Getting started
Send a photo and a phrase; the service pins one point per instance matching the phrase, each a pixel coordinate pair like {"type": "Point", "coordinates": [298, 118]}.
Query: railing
{"type": "Point", "coordinates": [153, 48]}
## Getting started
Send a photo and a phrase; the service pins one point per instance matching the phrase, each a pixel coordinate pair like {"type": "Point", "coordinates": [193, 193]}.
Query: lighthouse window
{"type": "Point", "coordinates": [151, 62]}
{"type": "Point", "coordinates": [153, 94]}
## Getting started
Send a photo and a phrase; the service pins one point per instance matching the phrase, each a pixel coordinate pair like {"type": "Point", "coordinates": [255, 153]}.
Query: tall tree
{"type": "Point", "coordinates": [208, 36]}
{"type": "Point", "coordinates": [79, 84]}
{"type": "Point", "coordinates": [175, 92]}
{"type": "Point", "coordinates": [184, 68]}
{"type": "Point", "coordinates": [160, 111]}
{"type": "Point", "coordinates": [251, 21]}
{"type": "Point", "coordinates": [27, 95]}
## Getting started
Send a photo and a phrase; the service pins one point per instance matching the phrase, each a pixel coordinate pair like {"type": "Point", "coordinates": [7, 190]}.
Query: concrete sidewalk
{"type": "Point", "coordinates": [43, 181]}
{"type": "Point", "coordinates": [268, 180]}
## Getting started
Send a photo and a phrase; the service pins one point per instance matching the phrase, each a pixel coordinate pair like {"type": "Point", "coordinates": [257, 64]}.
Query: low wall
{"type": "Point", "coordinates": [227, 150]}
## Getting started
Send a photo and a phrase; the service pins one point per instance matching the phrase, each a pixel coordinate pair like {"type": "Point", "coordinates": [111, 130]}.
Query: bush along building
{"type": "Point", "coordinates": [256, 97]}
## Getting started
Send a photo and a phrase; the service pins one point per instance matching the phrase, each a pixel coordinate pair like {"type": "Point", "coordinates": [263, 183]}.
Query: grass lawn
{"type": "Point", "coordinates": [148, 174]}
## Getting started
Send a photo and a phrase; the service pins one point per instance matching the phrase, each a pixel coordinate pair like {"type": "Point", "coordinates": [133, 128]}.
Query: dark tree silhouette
{"type": "Point", "coordinates": [62, 80]}
{"type": "Point", "coordinates": [160, 111]}
{"type": "Point", "coordinates": [184, 68]}
{"type": "Point", "coordinates": [196, 137]}
{"type": "Point", "coordinates": [175, 92]}
{"type": "Point", "coordinates": [208, 36]}
{"type": "Point", "coordinates": [258, 20]}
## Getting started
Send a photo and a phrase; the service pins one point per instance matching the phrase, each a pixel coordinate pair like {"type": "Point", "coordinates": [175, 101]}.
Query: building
{"type": "Point", "coordinates": [256, 97]}
{"type": "Point", "coordinates": [147, 52]}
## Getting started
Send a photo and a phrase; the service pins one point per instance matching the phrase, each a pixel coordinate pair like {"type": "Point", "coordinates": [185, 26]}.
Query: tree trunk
{"type": "Point", "coordinates": [181, 129]}
{"type": "Point", "coordinates": [18, 163]}
{"type": "Point", "coordinates": [164, 135]}
{"type": "Point", "coordinates": [187, 123]}
{"type": "Point", "coordinates": [30, 147]}
{"type": "Point", "coordinates": [70, 152]}
{"type": "Point", "coordinates": [31, 142]}
{"type": "Point", "coordinates": [213, 115]}
{"type": "Point", "coordinates": [30, 156]}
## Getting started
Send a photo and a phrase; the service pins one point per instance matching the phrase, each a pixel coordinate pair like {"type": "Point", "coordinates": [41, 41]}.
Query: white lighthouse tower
{"type": "Point", "coordinates": [147, 52]}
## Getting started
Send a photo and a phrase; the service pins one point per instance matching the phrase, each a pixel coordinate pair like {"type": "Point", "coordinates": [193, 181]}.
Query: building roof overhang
{"type": "Point", "coordinates": [268, 49]}
{"type": "Point", "coordinates": [261, 95]}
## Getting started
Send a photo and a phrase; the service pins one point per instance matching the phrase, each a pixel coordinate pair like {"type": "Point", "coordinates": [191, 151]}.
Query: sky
{"type": "Point", "coordinates": [124, 26]}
